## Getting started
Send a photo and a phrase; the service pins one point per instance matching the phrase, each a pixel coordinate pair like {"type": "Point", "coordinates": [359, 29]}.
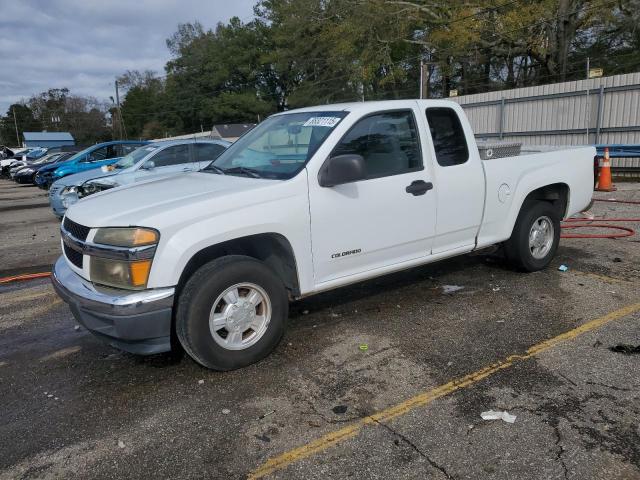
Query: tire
{"type": "Point", "coordinates": [202, 298]}
{"type": "Point", "coordinates": [519, 250]}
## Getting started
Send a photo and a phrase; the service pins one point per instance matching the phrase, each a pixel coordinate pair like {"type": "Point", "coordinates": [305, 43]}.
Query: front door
{"type": "Point", "coordinates": [385, 219]}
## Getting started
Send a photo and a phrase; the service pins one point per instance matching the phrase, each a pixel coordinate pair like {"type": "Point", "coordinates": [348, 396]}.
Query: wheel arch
{"type": "Point", "coordinates": [558, 194]}
{"type": "Point", "coordinates": [271, 248]}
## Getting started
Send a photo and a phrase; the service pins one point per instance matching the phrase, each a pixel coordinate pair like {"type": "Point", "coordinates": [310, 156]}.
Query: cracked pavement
{"type": "Point", "coordinates": [73, 407]}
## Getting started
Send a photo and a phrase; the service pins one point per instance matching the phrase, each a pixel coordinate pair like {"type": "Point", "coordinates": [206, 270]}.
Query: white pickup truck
{"type": "Point", "coordinates": [309, 200]}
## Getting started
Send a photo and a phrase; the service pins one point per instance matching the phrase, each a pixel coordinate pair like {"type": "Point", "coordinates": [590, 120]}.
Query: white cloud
{"type": "Point", "coordinates": [84, 44]}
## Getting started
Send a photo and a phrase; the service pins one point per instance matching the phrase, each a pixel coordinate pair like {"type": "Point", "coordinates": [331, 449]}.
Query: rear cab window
{"type": "Point", "coordinates": [447, 134]}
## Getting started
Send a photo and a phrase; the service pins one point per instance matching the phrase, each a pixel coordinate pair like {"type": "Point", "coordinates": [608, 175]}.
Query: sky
{"type": "Point", "coordinates": [84, 45]}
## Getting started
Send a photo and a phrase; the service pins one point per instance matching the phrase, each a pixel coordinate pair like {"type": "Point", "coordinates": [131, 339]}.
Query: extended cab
{"type": "Point", "coordinates": [310, 200]}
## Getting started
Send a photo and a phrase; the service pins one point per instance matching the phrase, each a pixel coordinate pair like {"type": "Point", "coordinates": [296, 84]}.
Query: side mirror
{"type": "Point", "coordinates": [148, 165]}
{"type": "Point", "coordinates": [342, 169]}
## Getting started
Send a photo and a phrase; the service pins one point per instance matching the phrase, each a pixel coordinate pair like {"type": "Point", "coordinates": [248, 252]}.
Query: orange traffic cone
{"type": "Point", "coordinates": [605, 183]}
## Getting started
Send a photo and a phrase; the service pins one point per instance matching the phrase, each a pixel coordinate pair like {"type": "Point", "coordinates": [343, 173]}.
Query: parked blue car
{"type": "Point", "coordinates": [95, 156]}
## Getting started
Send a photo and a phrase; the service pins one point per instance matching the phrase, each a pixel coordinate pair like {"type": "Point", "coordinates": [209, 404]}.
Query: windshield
{"type": "Point", "coordinates": [279, 147]}
{"type": "Point", "coordinates": [134, 157]}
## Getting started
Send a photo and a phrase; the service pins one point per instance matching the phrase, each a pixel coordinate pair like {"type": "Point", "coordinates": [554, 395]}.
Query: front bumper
{"type": "Point", "coordinates": [137, 321]}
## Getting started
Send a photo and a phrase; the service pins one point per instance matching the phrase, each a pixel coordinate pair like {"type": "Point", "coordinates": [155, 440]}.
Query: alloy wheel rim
{"type": "Point", "coordinates": [541, 237]}
{"type": "Point", "coordinates": [240, 316]}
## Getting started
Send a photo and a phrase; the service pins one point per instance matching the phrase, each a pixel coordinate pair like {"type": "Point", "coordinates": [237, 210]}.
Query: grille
{"type": "Point", "coordinates": [73, 256]}
{"type": "Point", "coordinates": [75, 229]}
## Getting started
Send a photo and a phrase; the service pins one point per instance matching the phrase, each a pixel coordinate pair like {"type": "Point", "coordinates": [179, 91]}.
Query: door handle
{"type": "Point", "coordinates": [419, 187]}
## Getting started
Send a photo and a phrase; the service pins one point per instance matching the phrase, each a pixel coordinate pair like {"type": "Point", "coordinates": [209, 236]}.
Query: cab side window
{"type": "Point", "coordinates": [208, 151]}
{"type": "Point", "coordinates": [175, 155]}
{"type": "Point", "coordinates": [387, 141]}
{"type": "Point", "coordinates": [449, 141]}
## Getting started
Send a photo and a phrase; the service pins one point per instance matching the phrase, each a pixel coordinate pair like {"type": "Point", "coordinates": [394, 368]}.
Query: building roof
{"type": "Point", "coordinates": [47, 136]}
{"type": "Point", "coordinates": [232, 130]}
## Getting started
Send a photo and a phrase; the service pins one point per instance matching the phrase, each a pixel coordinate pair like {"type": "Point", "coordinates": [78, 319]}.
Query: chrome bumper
{"type": "Point", "coordinates": [137, 322]}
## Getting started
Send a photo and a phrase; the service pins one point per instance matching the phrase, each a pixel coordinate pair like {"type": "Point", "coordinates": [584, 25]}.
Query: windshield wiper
{"type": "Point", "coordinates": [214, 168]}
{"type": "Point", "coordinates": [246, 170]}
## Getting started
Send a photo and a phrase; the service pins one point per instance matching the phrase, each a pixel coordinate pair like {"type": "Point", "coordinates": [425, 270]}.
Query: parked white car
{"type": "Point", "coordinates": [155, 160]}
{"type": "Point", "coordinates": [309, 200]}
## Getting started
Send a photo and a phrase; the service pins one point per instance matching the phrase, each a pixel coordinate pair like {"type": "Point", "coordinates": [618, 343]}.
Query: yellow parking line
{"type": "Point", "coordinates": [330, 439]}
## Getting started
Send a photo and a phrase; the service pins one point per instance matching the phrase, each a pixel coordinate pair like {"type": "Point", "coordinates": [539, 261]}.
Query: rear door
{"type": "Point", "coordinates": [461, 185]}
{"type": "Point", "coordinates": [387, 218]}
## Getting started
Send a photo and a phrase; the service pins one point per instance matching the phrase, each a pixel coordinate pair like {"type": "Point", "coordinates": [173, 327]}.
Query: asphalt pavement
{"type": "Point", "coordinates": [384, 379]}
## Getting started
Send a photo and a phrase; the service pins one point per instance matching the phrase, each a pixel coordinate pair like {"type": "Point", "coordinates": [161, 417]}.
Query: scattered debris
{"type": "Point", "coordinates": [339, 409]}
{"type": "Point", "coordinates": [449, 364]}
{"type": "Point", "coordinates": [396, 442]}
{"type": "Point", "coordinates": [266, 414]}
{"type": "Point", "coordinates": [334, 315]}
{"type": "Point", "coordinates": [625, 349]}
{"type": "Point", "coordinates": [497, 289]}
{"type": "Point", "coordinates": [617, 260]}
{"type": "Point", "coordinates": [495, 415]}
{"type": "Point", "coordinates": [200, 382]}
{"type": "Point", "coordinates": [55, 398]}
{"type": "Point", "coordinates": [76, 328]}
{"type": "Point", "coordinates": [451, 288]}
{"type": "Point", "coordinates": [364, 347]}
{"type": "Point", "coordinates": [50, 395]}
{"type": "Point", "coordinates": [120, 444]}
{"type": "Point", "coordinates": [563, 268]}
{"type": "Point", "coordinates": [305, 312]}
{"type": "Point", "coordinates": [598, 343]}
{"type": "Point", "coordinates": [263, 438]}
{"type": "Point", "coordinates": [314, 424]}
{"type": "Point", "coordinates": [499, 321]}
{"type": "Point", "coordinates": [226, 411]}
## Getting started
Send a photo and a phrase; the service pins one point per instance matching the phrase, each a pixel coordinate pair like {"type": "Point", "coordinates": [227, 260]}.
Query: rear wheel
{"type": "Point", "coordinates": [535, 237]}
{"type": "Point", "coordinates": [231, 313]}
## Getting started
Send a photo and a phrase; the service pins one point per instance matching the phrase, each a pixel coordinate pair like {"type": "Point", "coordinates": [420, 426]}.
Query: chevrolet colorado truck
{"type": "Point", "coordinates": [309, 200]}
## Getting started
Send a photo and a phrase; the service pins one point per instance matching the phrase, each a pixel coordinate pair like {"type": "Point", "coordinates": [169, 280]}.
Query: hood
{"type": "Point", "coordinates": [53, 166]}
{"type": "Point", "coordinates": [169, 201]}
{"type": "Point", "coordinates": [80, 178]}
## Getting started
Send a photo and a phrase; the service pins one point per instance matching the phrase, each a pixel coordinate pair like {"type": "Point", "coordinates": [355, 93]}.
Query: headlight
{"type": "Point", "coordinates": [120, 274]}
{"type": "Point", "coordinates": [71, 189]}
{"type": "Point", "coordinates": [130, 274]}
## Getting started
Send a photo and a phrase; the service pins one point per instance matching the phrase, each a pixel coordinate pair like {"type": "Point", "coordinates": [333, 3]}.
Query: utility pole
{"type": "Point", "coordinates": [15, 123]}
{"type": "Point", "coordinates": [123, 132]}
{"type": "Point", "coordinates": [424, 78]}
{"type": "Point", "coordinates": [588, 67]}
{"type": "Point", "coordinates": [421, 79]}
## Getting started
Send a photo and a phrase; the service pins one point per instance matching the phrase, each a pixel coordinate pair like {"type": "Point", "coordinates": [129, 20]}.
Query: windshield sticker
{"type": "Point", "coordinates": [322, 122]}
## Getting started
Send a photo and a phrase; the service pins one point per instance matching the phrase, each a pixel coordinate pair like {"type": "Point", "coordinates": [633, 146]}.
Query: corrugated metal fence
{"type": "Point", "coordinates": [583, 112]}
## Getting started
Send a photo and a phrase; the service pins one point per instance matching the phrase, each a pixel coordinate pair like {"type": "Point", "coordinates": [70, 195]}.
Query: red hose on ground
{"type": "Point", "coordinates": [587, 223]}
{"type": "Point", "coordinates": [28, 276]}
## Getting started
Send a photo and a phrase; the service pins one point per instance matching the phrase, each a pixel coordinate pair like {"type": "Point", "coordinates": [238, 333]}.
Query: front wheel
{"type": "Point", "coordinates": [231, 313]}
{"type": "Point", "coordinates": [535, 237]}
